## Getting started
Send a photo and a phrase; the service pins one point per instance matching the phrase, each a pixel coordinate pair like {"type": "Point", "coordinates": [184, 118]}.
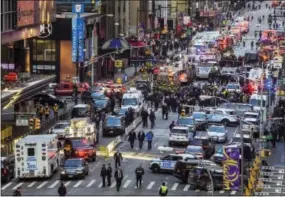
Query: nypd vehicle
{"type": "Point", "coordinates": [224, 119]}
{"type": "Point", "coordinates": [167, 163]}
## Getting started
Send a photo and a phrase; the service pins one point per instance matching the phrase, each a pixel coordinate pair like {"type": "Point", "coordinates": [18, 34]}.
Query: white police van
{"type": "Point", "coordinates": [167, 163]}
{"type": "Point", "coordinates": [133, 99]}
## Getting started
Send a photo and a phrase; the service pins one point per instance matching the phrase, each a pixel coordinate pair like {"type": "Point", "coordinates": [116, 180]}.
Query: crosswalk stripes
{"type": "Point", "coordinates": [91, 183]}
{"type": "Point", "coordinates": [174, 187]}
{"type": "Point", "coordinates": [32, 184]}
{"type": "Point", "coordinates": [18, 185]}
{"type": "Point", "coordinates": [113, 184]}
{"type": "Point", "coordinates": [233, 192]}
{"type": "Point", "coordinates": [54, 184]}
{"type": "Point", "coordinates": [67, 183]}
{"type": "Point", "coordinates": [43, 184]}
{"type": "Point", "coordinates": [100, 185]}
{"type": "Point", "coordinates": [222, 191]}
{"type": "Point", "coordinates": [186, 188]}
{"type": "Point", "coordinates": [150, 185]}
{"type": "Point", "coordinates": [197, 190]}
{"type": "Point", "coordinates": [78, 183]}
{"type": "Point", "coordinates": [6, 186]}
{"type": "Point", "coordinates": [127, 183]}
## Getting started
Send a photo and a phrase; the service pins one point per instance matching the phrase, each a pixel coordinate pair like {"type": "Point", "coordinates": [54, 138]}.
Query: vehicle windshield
{"type": "Point", "coordinates": [245, 107]}
{"type": "Point", "coordinates": [199, 115]}
{"type": "Point", "coordinates": [194, 149]}
{"type": "Point", "coordinates": [179, 131]}
{"type": "Point", "coordinates": [73, 163]}
{"type": "Point", "coordinates": [250, 122]}
{"type": "Point", "coordinates": [98, 95]}
{"type": "Point", "coordinates": [122, 111]}
{"type": "Point", "coordinates": [80, 143]}
{"type": "Point", "coordinates": [220, 150]}
{"type": "Point", "coordinates": [101, 102]}
{"type": "Point", "coordinates": [227, 106]}
{"type": "Point", "coordinates": [61, 126]}
{"type": "Point", "coordinates": [132, 101]}
{"type": "Point", "coordinates": [79, 112]}
{"type": "Point", "coordinates": [232, 86]}
{"type": "Point", "coordinates": [112, 121]}
{"type": "Point", "coordinates": [217, 129]}
{"type": "Point", "coordinates": [257, 103]}
{"type": "Point", "coordinates": [185, 121]}
{"type": "Point", "coordinates": [246, 140]}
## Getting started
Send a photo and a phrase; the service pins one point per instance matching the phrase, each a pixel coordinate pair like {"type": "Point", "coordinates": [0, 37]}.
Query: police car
{"type": "Point", "coordinates": [168, 162]}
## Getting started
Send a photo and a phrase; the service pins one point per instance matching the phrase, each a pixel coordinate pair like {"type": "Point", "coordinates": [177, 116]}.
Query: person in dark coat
{"type": "Point", "coordinates": [17, 192]}
{"type": "Point", "coordinates": [119, 177]}
{"type": "Point", "coordinates": [274, 135]}
{"type": "Point", "coordinates": [152, 118]}
{"type": "Point", "coordinates": [118, 158]}
{"type": "Point", "coordinates": [139, 174]}
{"type": "Point", "coordinates": [103, 175]}
{"type": "Point", "coordinates": [171, 125]}
{"type": "Point", "coordinates": [113, 102]}
{"type": "Point", "coordinates": [62, 190]}
{"type": "Point", "coordinates": [164, 111]}
{"type": "Point", "coordinates": [109, 174]}
{"type": "Point", "coordinates": [141, 137]}
{"type": "Point", "coordinates": [132, 138]}
{"type": "Point", "coordinates": [144, 116]}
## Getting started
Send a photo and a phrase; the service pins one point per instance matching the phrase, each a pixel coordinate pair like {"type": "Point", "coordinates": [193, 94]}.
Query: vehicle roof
{"type": "Point", "coordinates": [251, 119]}
{"type": "Point", "coordinates": [63, 122]}
{"type": "Point", "coordinates": [217, 126]}
{"type": "Point", "coordinates": [183, 155]}
{"type": "Point", "coordinates": [130, 95]}
{"type": "Point", "coordinates": [225, 109]}
{"type": "Point", "coordinates": [238, 135]}
{"type": "Point", "coordinates": [180, 127]}
{"type": "Point", "coordinates": [81, 106]}
{"type": "Point", "coordinates": [199, 112]}
{"type": "Point", "coordinates": [251, 113]}
{"type": "Point", "coordinates": [38, 138]}
{"type": "Point", "coordinates": [110, 116]}
{"type": "Point", "coordinates": [185, 117]}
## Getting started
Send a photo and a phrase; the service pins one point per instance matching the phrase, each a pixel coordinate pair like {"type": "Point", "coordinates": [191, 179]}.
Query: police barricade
{"type": "Point", "coordinates": [107, 150]}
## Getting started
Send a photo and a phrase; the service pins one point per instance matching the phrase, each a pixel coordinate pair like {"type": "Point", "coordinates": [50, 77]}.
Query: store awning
{"type": "Point", "coordinates": [137, 43]}
{"type": "Point", "coordinates": [116, 43]}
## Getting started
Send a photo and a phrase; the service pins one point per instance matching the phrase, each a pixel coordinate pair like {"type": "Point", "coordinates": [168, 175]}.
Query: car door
{"type": "Point", "coordinates": [167, 163]}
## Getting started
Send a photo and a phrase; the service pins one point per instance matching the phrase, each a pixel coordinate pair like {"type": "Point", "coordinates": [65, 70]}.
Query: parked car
{"type": "Point", "coordinates": [195, 150]}
{"type": "Point", "coordinates": [199, 177]}
{"type": "Point", "coordinates": [218, 133]}
{"type": "Point", "coordinates": [59, 128]}
{"type": "Point", "coordinates": [225, 119]}
{"type": "Point", "coordinates": [74, 168]}
{"type": "Point", "coordinates": [102, 104]}
{"type": "Point", "coordinates": [114, 125]}
{"type": "Point", "coordinates": [207, 144]}
{"type": "Point", "coordinates": [218, 156]}
{"type": "Point", "coordinates": [65, 88]}
{"type": "Point", "coordinates": [7, 168]}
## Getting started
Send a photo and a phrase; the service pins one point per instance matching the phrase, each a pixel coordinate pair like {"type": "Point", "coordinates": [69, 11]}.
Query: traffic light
{"type": "Point", "coordinates": [37, 124]}
{"type": "Point", "coordinates": [31, 124]}
{"type": "Point", "coordinates": [119, 64]}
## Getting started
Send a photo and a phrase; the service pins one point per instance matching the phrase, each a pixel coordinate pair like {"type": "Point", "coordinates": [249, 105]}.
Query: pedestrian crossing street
{"type": "Point", "coordinates": [92, 183]}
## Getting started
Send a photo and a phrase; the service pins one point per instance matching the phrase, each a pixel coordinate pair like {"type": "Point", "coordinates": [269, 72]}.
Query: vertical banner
{"type": "Point", "coordinates": [74, 40]}
{"type": "Point", "coordinates": [231, 168]}
{"type": "Point", "coordinates": [81, 41]}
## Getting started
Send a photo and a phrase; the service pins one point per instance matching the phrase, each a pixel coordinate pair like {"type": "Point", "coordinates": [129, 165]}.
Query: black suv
{"type": "Point", "coordinates": [200, 177]}
{"type": "Point", "coordinates": [182, 167]}
{"type": "Point", "coordinates": [79, 147]}
{"type": "Point", "coordinates": [7, 169]}
{"type": "Point", "coordinates": [114, 125]}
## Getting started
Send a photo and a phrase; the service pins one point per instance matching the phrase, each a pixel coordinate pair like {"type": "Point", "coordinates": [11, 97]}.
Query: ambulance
{"type": "Point", "coordinates": [133, 99]}
{"type": "Point", "coordinates": [36, 156]}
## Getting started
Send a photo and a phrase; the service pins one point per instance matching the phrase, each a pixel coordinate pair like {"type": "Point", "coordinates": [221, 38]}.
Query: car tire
{"type": "Point", "coordinates": [155, 168]}
{"type": "Point", "coordinates": [225, 122]}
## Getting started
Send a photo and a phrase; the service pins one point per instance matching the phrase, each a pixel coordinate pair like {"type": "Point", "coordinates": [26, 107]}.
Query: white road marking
{"type": "Point", "coordinates": [7, 185]}
{"type": "Point", "coordinates": [43, 184]}
{"type": "Point", "coordinates": [113, 184]}
{"type": "Point", "coordinates": [233, 192]}
{"type": "Point", "coordinates": [127, 183]}
{"type": "Point", "coordinates": [100, 185]}
{"type": "Point", "coordinates": [18, 185]}
{"type": "Point", "coordinates": [136, 185]}
{"type": "Point", "coordinates": [186, 188]}
{"type": "Point", "coordinates": [32, 184]}
{"type": "Point", "coordinates": [78, 183]}
{"type": "Point", "coordinates": [54, 184]}
{"type": "Point", "coordinates": [222, 191]}
{"type": "Point", "coordinates": [91, 183]}
{"type": "Point", "coordinates": [174, 187]}
{"type": "Point", "coordinates": [197, 190]}
{"type": "Point", "coordinates": [67, 183]}
{"type": "Point", "coordinates": [150, 185]}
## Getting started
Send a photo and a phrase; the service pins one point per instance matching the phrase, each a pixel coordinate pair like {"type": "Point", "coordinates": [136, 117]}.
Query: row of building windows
{"type": "Point", "coordinates": [8, 15]}
{"type": "Point", "coordinates": [44, 50]}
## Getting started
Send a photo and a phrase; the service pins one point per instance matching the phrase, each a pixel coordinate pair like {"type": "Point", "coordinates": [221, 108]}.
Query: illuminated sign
{"type": "Point", "coordinates": [45, 30]}
{"type": "Point", "coordinates": [25, 13]}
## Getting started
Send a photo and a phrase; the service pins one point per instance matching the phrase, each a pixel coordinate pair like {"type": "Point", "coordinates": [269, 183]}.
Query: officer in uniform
{"type": "Point", "coordinates": [41, 112]}
{"type": "Point", "coordinates": [183, 112]}
{"type": "Point", "coordinates": [46, 112]}
{"type": "Point", "coordinates": [55, 110]}
{"type": "Point", "coordinates": [163, 189]}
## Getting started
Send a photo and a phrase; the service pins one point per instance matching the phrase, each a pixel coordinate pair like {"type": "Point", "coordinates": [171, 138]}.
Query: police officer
{"type": "Point", "coordinates": [163, 189]}
{"type": "Point", "coordinates": [141, 137]}
{"type": "Point", "coordinates": [46, 112]}
{"type": "Point", "coordinates": [119, 177]}
{"type": "Point", "coordinates": [55, 110]}
{"type": "Point", "coordinates": [103, 174]}
{"type": "Point", "coordinates": [118, 158]}
{"type": "Point", "coordinates": [139, 174]}
{"type": "Point", "coordinates": [109, 174]}
{"type": "Point", "coordinates": [61, 190]}
{"type": "Point", "coordinates": [41, 112]}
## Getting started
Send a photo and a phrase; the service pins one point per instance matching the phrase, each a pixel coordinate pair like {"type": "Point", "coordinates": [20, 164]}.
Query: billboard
{"type": "Point", "coordinates": [25, 13]}
{"type": "Point", "coordinates": [231, 168]}
{"type": "Point", "coordinates": [74, 40]}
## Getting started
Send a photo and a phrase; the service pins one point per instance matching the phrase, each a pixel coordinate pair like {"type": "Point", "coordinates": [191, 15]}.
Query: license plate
{"type": "Point", "coordinates": [70, 176]}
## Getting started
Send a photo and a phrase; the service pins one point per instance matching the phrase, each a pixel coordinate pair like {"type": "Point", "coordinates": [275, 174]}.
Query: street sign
{"type": "Point", "coordinates": [22, 120]}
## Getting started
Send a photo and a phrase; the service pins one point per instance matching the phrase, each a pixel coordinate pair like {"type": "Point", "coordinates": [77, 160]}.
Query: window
{"type": "Point", "coordinates": [168, 158]}
{"type": "Point", "coordinates": [44, 50]}
{"type": "Point", "coordinates": [177, 158]}
{"type": "Point", "coordinates": [31, 152]}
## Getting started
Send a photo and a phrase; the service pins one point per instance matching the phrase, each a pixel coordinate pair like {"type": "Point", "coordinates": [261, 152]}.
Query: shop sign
{"type": "Point", "coordinates": [45, 30]}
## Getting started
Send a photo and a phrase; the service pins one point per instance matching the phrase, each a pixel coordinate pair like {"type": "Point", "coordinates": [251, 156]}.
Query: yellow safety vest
{"type": "Point", "coordinates": [163, 189]}
{"type": "Point", "coordinates": [47, 110]}
{"type": "Point", "coordinates": [41, 110]}
{"type": "Point", "coordinates": [55, 108]}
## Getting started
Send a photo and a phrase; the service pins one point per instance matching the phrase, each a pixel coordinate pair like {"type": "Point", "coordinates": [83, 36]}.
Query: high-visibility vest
{"type": "Point", "coordinates": [163, 189]}
{"type": "Point", "coordinates": [41, 110]}
{"type": "Point", "coordinates": [46, 110]}
{"type": "Point", "coordinates": [55, 108]}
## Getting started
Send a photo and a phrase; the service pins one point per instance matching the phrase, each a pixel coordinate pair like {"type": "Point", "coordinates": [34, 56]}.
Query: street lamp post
{"type": "Point", "coordinates": [94, 52]}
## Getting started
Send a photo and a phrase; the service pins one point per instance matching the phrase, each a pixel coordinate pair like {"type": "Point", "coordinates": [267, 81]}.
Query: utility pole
{"type": "Point", "coordinates": [242, 157]}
